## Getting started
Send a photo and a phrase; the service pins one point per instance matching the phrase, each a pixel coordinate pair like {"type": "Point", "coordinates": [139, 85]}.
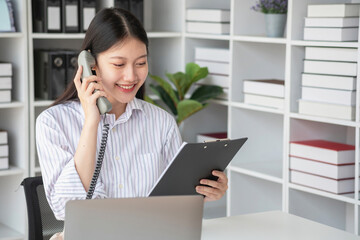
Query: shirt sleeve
{"type": "Point", "coordinates": [173, 142]}
{"type": "Point", "coordinates": [61, 179]}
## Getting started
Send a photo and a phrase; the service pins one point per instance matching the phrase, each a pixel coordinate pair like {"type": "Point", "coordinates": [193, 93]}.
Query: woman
{"type": "Point", "coordinates": [142, 139]}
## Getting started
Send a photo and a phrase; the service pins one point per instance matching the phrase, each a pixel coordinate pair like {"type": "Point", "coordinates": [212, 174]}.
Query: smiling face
{"type": "Point", "coordinates": [123, 69]}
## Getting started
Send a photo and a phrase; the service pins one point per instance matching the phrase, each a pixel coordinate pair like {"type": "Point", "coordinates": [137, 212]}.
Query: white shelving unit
{"type": "Point", "coordinates": [258, 175]}
{"type": "Point", "coordinates": [14, 119]}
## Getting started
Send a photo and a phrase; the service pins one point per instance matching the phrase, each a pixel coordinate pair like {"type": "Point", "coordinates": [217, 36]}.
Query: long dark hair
{"type": "Point", "coordinates": [108, 27]}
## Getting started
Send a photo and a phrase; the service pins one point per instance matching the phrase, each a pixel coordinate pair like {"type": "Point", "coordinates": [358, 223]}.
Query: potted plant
{"type": "Point", "coordinates": [275, 15]}
{"type": "Point", "coordinates": [173, 92]}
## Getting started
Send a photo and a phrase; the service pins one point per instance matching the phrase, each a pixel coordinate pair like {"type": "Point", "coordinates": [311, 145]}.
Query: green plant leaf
{"type": "Point", "coordinates": [164, 96]}
{"type": "Point", "coordinates": [206, 92]}
{"type": "Point", "coordinates": [167, 88]}
{"type": "Point", "coordinates": [180, 81]}
{"type": "Point", "coordinates": [195, 73]}
{"type": "Point", "coordinates": [186, 108]}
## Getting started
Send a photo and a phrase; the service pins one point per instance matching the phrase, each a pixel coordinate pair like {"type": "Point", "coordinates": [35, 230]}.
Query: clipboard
{"type": "Point", "coordinates": [193, 162]}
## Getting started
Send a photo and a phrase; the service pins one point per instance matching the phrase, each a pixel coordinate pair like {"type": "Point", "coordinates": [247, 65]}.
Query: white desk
{"type": "Point", "coordinates": [270, 225]}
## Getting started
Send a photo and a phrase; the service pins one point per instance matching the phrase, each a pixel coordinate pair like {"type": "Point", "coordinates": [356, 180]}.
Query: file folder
{"type": "Point", "coordinates": [124, 4]}
{"type": "Point", "coordinates": [87, 13]}
{"type": "Point", "coordinates": [53, 18]}
{"type": "Point", "coordinates": [137, 8]}
{"type": "Point", "coordinates": [71, 16]}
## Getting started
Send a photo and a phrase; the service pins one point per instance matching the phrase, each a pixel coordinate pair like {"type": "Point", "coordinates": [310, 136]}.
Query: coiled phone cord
{"type": "Point", "coordinates": [105, 134]}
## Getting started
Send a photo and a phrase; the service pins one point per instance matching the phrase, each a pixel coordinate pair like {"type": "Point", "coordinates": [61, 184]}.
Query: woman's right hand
{"type": "Point", "coordinates": [87, 96]}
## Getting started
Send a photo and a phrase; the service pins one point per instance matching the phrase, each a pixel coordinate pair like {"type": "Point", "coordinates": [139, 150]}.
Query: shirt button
{"type": "Point", "coordinates": [121, 186]}
{"type": "Point", "coordinates": [117, 158]}
{"type": "Point", "coordinates": [114, 129]}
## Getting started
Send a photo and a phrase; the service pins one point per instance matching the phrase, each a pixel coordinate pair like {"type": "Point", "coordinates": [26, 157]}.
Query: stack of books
{"type": "Point", "coordinates": [4, 150]}
{"type": "Point", "coordinates": [265, 92]}
{"type": "Point", "coordinates": [212, 21]}
{"type": "Point", "coordinates": [204, 137]}
{"type": "Point", "coordinates": [329, 82]}
{"type": "Point", "coordinates": [324, 165]}
{"type": "Point", "coordinates": [217, 60]}
{"type": "Point", "coordinates": [332, 22]}
{"type": "Point", "coordinates": [5, 82]}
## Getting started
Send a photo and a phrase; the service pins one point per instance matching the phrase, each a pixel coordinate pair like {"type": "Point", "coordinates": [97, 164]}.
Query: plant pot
{"type": "Point", "coordinates": [275, 24]}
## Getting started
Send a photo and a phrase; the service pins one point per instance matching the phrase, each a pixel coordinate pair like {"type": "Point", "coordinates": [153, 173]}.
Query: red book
{"type": "Point", "coordinates": [323, 151]}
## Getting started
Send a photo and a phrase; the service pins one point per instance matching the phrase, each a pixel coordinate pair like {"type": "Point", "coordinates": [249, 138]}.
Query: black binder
{"type": "Point", "coordinates": [70, 17]}
{"type": "Point", "coordinates": [195, 161]}
{"type": "Point", "coordinates": [50, 74]}
{"type": "Point", "coordinates": [87, 13]}
{"type": "Point", "coordinates": [137, 8]}
{"type": "Point", "coordinates": [71, 66]}
{"type": "Point", "coordinates": [47, 16]}
{"type": "Point", "coordinates": [124, 4]}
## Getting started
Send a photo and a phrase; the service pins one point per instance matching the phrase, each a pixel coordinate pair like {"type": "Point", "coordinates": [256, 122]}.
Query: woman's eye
{"type": "Point", "coordinates": [141, 64]}
{"type": "Point", "coordinates": [119, 65]}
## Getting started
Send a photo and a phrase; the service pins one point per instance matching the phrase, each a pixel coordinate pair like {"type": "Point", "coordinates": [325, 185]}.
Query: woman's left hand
{"type": "Point", "coordinates": [214, 189]}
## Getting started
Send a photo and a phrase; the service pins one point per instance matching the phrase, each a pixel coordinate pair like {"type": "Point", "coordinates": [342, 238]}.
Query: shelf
{"type": "Point", "coordinates": [324, 44]}
{"type": "Point", "coordinates": [57, 35]}
{"type": "Point", "coordinates": [324, 120]}
{"type": "Point", "coordinates": [11, 171]}
{"type": "Point", "coordinates": [11, 35]}
{"type": "Point", "coordinates": [256, 108]}
{"type": "Point", "coordinates": [349, 198]}
{"type": "Point", "coordinates": [163, 34]}
{"type": "Point", "coordinates": [12, 105]}
{"type": "Point", "coordinates": [207, 36]}
{"type": "Point", "coordinates": [220, 102]}
{"type": "Point", "coordinates": [264, 170]}
{"type": "Point", "coordinates": [260, 39]}
{"type": "Point", "coordinates": [43, 103]}
{"type": "Point", "coordinates": [7, 233]}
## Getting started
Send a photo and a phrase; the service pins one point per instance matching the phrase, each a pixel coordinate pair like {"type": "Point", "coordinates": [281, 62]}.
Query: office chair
{"type": "Point", "coordinates": [41, 219]}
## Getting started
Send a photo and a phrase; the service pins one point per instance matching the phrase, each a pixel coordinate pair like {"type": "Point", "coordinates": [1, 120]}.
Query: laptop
{"type": "Point", "coordinates": [160, 217]}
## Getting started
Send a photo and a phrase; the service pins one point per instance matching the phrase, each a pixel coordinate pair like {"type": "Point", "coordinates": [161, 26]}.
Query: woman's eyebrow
{"type": "Point", "coordinates": [119, 57]}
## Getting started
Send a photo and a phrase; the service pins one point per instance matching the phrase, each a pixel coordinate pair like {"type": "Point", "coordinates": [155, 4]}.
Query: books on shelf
{"type": "Point", "coordinates": [331, 54]}
{"type": "Point", "coordinates": [335, 186]}
{"type": "Point", "coordinates": [207, 27]}
{"type": "Point", "coordinates": [216, 79]}
{"type": "Point", "coordinates": [329, 110]}
{"type": "Point", "coordinates": [203, 137]}
{"type": "Point", "coordinates": [5, 96]}
{"type": "Point", "coordinates": [335, 171]}
{"type": "Point", "coordinates": [221, 68]}
{"type": "Point", "coordinates": [3, 137]}
{"type": "Point", "coordinates": [333, 10]}
{"type": "Point", "coordinates": [323, 151]}
{"type": "Point", "coordinates": [5, 83]}
{"type": "Point", "coordinates": [213, 21]}
{"type": "Point", "coordinates": [208, 15]}
{"type": "Point", "coordinates": [336, 22]}
{"type": "Point", "coordinates": [324, 165]}
{"type": "Point", "coordinates": [266, 87]}
{"type": "Point", "coordinates": [5, 69]}
{"type": "Point", "coordinates": [331, 34]}
{"type": "Point", "coordinates": [212, 54]}
{"type": "Point", "coordinates": [330, 67]}
{"type": "Point", "coordinates": [4, 163]}
{"type": "Point", "coordinates": [326, 95]}
{"type": "Point", "coordinates": [4, 150]}
{"type": "Point", "coordinates": [264, 101]}
{"type": "Point", "coordinates": [329, 81]}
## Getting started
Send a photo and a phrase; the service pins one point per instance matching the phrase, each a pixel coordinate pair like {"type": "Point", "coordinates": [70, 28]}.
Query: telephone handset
{"type": "Point", "coordinates": [86, 60]}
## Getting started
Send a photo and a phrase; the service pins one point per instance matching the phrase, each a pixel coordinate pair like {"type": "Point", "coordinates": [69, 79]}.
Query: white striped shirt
{"type": "Point", "coordinates": [141, 143]}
